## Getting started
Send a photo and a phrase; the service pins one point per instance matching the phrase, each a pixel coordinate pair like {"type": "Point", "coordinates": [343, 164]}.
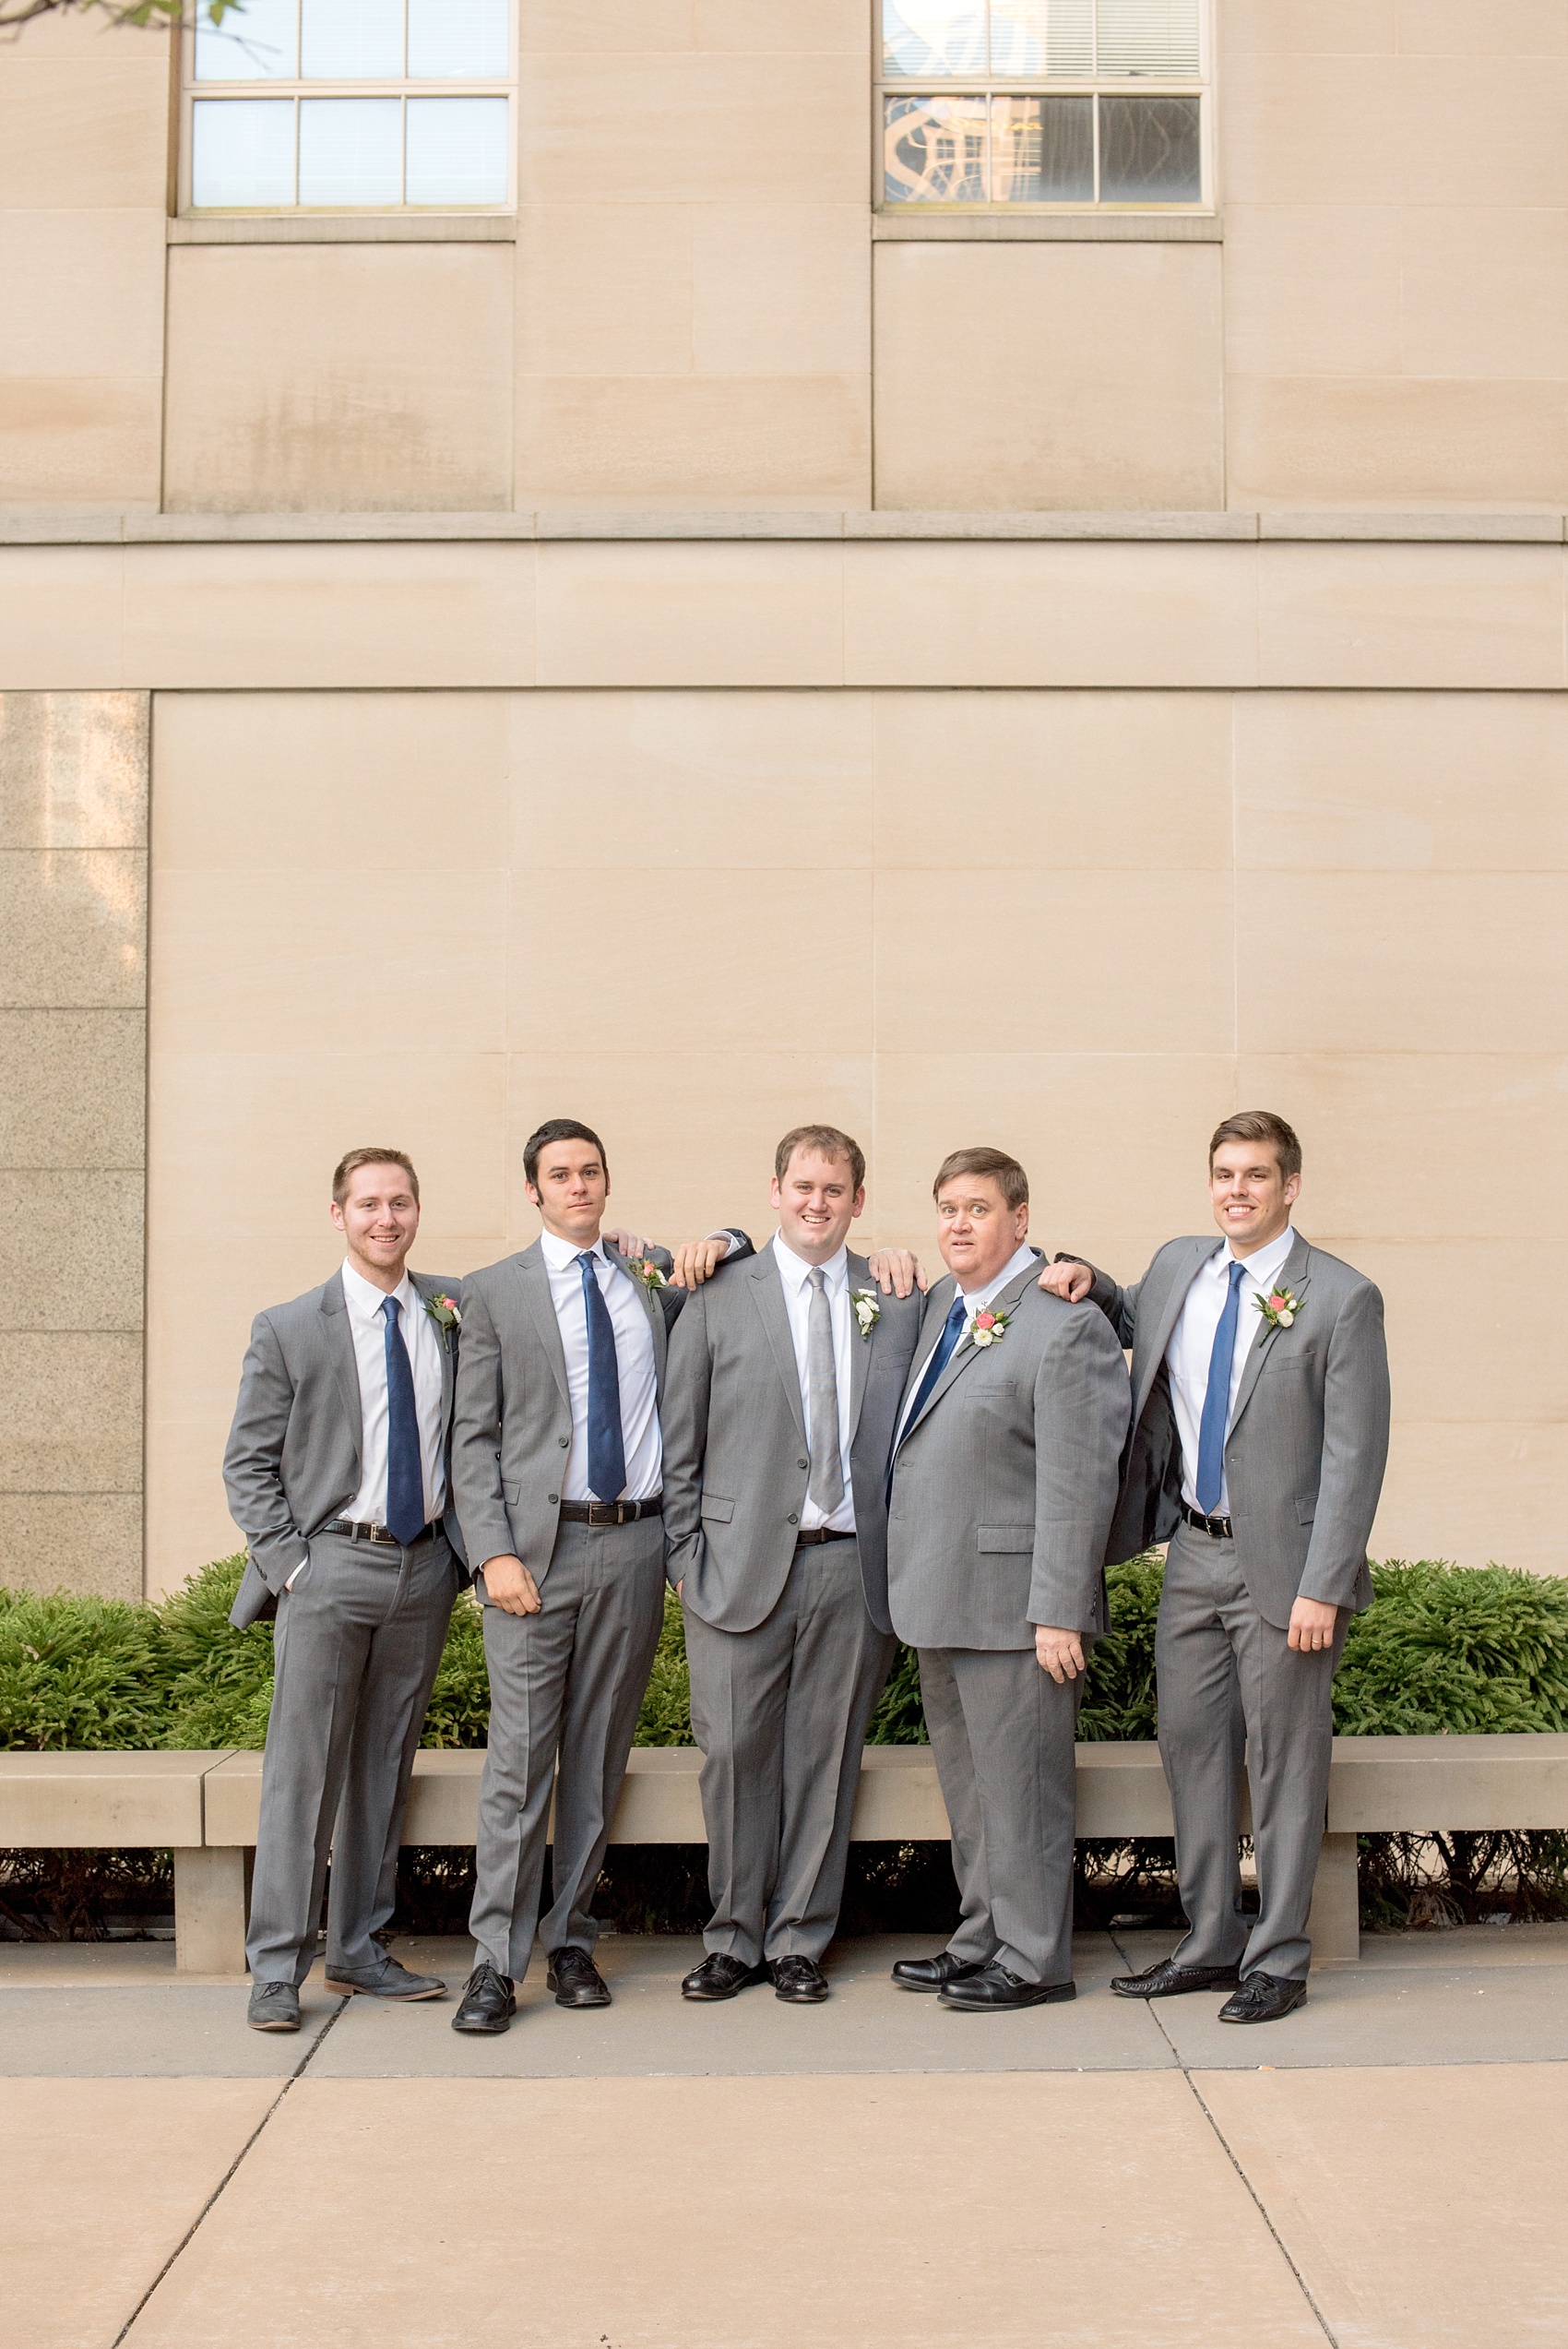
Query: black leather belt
{"type": "Point", "coordinates": [1216, 1528]}
{"type": "Point", "coordinates": [379, 1535]}
{"type": "Point", "coordinates": [611, 1512]}
{"type": "Point", "coordinates": [820, 1533]}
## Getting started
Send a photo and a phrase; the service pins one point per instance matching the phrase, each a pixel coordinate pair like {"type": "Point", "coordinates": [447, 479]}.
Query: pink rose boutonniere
{"type": "Point", "coordinates": [990, 1329]}
{"type": "Point", "coordinates": [643, 1269]}
{"type": "Point", "coordinates": [444, 1312]}
{"type": "Point", "coordinates": [1279, 1309]}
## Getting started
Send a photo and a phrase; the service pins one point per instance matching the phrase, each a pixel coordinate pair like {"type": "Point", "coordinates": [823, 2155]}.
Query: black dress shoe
{"type": "Point", "coordinates": [275, 2006]}
{"type": "Point", "coordinates": [800, 1982]}
{"type": "Point", "coordinates": [1166, 1979]}
{"type": "Point", "coordinates": [487, 2005]}
{"type": "Point", "coordinates": [995, 1991]}
{"type": "Point", "coordinates": [1263, 1997]}
{"type": "Point", "coordinates": [935, 1973]}
{"type": "Point", "coordinates": [719, 1976]}
{"type": "Point", "coordinates": [575, 1980]}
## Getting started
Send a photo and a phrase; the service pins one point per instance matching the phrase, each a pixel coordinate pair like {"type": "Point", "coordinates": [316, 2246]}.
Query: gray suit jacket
{"type": "Point", "coordinates": [736, 1461]}
{"type": "Point", "coordinates": [1309, 1436]}
{"type": "Point", "coordinates": [293, 1462]}
{"type": "Point", "coordinates": [512, 1426]}
{"type": "Point", "coordinates": [1005, 1483]}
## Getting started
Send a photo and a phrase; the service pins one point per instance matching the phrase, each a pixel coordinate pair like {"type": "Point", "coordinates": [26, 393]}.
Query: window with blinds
{"type": "Point", "coordinates": [1064, 104]}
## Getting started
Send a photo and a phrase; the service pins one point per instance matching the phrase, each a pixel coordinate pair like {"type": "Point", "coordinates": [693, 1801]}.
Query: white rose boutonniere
{"type": "Point", "coordinates": [868, 1309]}
{"type": "Point", "coordinates": [990, 1329]}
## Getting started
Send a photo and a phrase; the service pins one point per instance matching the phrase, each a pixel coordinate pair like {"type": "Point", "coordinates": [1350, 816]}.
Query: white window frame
{"type": "Point", "coordinates": [1199, 85]}
{"type": "Point", "coordinates": [254, 87]}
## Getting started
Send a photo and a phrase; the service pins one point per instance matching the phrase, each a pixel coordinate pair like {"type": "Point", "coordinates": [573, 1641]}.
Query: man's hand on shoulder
{"type": "Point", "coordinates": [1059, 1653]}
{"type": "Point", "coordinates": [629, 1243]}
{"type": "Point", "coordinates": [509, 1586]}
{"type": "Point", "coordinates": [1071, 1280]}
{"type": "Point", "coordinates": [698, 1260]}
{"type": "Point", "coordinates": [899, 1272]}
{"type": "Point", "coordinates": [1313, 1626]}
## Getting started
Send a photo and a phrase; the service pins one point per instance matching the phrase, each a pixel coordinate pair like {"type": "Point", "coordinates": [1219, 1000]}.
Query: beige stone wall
{"type": "Point", "coordinates": [73, 972]}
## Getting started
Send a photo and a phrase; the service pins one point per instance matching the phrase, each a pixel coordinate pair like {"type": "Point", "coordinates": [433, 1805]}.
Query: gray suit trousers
{"type": "Point", "coordinates": [1212, 1647]}
{"type": "Point", "coordinates": [1002, 1735]}
{"type": "Point", "coordinates": [781, 1714]}
{"type": "Point", "coordinates": [357, 1647]}
{"type": "Point", "coordinates": [568, 1682]}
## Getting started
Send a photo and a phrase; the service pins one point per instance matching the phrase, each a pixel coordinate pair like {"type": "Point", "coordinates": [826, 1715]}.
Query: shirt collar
{"type": "Point", "coordinates": [362, 1296]}
{"type": "Point", "coordinates": [976, 1300]}
{"type": "Point", "coordinates": [796, 1269]}
{"type": "Point", "coordinates": [561, 1255]}
{"type": "Point", "coordinates": [1264, 1263]}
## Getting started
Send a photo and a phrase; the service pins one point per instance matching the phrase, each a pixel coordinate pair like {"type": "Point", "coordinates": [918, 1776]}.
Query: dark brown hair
{"type": "Point", "coordinates": [1260, 1126]}
{"type": "Point", "coordinates": [352, 1160]}
{"type": "Point", "coordinates": [1005, 1171]}
{"type": "Point", "coordinates": [557, 1129]}
{"type": "Point", "coordinates": [829, 1142]}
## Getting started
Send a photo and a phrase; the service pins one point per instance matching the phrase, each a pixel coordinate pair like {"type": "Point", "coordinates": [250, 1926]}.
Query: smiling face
{"type": "Point", "coordinates": [379, 1217]}
{"type": "Point", "coordinates": [572, 1187]}
{"type": "Point", "coordinates": [816, 1202]}
{"type": "Point", "coordinates": [1252, 1199]}
{"type": "Point", "coordinates": [976, 1229]}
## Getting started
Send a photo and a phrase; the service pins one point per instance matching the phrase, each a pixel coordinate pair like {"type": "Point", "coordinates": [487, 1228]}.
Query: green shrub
{"type": "Point", "coordinates": [78, 1671]}
{"type": "Point", "coordinates": [1457, 1648]}
{"type": "Point", "coordinates": [217, 1681]}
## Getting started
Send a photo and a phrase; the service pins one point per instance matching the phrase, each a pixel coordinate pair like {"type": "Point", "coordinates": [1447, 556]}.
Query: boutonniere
{"type": "Point", "coordinates": [444, 1312]}
{"type": "Point", "coordinates": [990, 1329]}
{"type": "Point", "coordinates": [643, 1269]}
{"type": "Point", "coordinates": [868, 1309]}
{"type": "Point", "coordinates": [1279, 1309]}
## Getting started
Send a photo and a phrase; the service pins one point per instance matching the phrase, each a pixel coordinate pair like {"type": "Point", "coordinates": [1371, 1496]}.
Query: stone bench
{"type": "Point", "coordinates": [205, 1806]}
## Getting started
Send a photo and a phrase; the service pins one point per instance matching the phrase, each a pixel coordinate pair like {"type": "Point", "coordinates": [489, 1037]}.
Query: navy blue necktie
{"type": "Point", "coordinates": [1212, 1427]}
{"type": "Point", "coordinates": [952, 1329]}
{"type": "Point", "coordinates": [405, 1475]}
{"type": "Point", "coordinates": [606, 1445]}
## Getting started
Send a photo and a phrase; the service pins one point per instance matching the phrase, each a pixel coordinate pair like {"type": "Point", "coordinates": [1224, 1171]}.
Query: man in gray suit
{"type": "Point", "coordinates": [783, 1385]}
{"type": "Point", "coordinates": [336, 1472]}
{"type": "Point", "coordinates": [1259, 1434]}
{"type": "Point", "coordinates": [1002, 1483]}
{"type": "Point", "coordinates": [557, 1464]}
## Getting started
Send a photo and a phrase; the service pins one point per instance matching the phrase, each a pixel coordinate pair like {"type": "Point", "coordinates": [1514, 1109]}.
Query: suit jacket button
{"type": "Point", "coordinates": [564, 1442]}
{"type": "Point", "coordinates": [802, 1463]}
{"type": "Point", "coordinates": [793, 1518]}
{"type": "Point", "coordinates": [553, 1498]}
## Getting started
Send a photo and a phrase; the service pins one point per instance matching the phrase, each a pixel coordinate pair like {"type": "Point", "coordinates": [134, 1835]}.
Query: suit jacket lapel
{"type": "Point", "coordinates": [653, 1310]}
{"type": "Point", "coordinates": [1292, 1275]}
{"type": "Point", "coordinates": [767, 1289]}
{"type": "Point", "coordinates": [966, 1350]}
{"type": "Point", "coordinates": [424, 1287]}
{"type": "Point", "coordinates": [860, 1348]}
{"type": "Point", "coordinates": [340, 1341]}
{"type": "Point", "coordinates": [534, 1275]}
{"type": "Point", "coordinates": [1169, 1314]}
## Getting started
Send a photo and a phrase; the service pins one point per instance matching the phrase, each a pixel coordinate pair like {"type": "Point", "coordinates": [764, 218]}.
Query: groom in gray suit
{"type": "Point", "coordinates": [336, 1472]}
{"type": "Point", "coordinates": [557, 1464]}
{"type": "Point", "coordinates": [784, 1381]}
{"type": "Point", "coordinates": [1003, 1482]}
{"type": "Point", "coordinates": [1260, 1435]}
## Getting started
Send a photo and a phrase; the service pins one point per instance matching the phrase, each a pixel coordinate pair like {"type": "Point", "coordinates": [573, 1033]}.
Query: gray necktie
{"type": "Point", "coordinates": [826, 1486]}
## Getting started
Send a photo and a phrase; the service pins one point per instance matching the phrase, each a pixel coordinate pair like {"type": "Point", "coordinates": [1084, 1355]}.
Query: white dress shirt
{"type": "Point", "coordinates": [368, 1325]}
{"type": "Point", "coordinates": [795, 1275]}
{"type": "Point", "coordinates": [975, 1301]}
{"type": "Point", "coordinates": [635, 1369]}
{"type": "Point", "coordinates": [1191, 1343]}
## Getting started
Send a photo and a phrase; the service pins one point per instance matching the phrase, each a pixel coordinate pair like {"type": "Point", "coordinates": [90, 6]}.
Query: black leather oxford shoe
{"type": "Point", "coordinates": [1263, 1997]}
{"type": "Point", "coordinates": [1166, 1979]}
{"type": "Point", "coordinates": [935, 1973]}
{"type": "Point", "coordinates": [575, 1980]}
{"type": "Point", "coordinates": [800, 1982]}
{"type": "Point", "coordinates": [720, 1977]}
{"type": "Point", "coordinates": [487, 2005]}
{"type": "Point", "coordinates": [995, 1991]}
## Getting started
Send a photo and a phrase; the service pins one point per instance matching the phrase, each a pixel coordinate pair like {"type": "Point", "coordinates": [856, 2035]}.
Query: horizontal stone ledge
{"type": "Point", "coordinates": [590, 524]}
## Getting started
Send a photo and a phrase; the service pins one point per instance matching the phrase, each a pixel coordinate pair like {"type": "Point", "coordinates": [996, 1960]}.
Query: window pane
{"type": "Point", "coordinates": [261, 44]}
{"type": "Point", "coordinates": [243, 151]}
{"type": "Point", "coordinates": [1052, 37]}
{"type": "Point", "coordinates": [350, 151]}
{"type": "Point", "coordinates": [458, 40]}
{"type": "Point", "coordinates": [1042, 151]}
{"type": "Point", "coordinates": [456, 150]}
{"type": "Point", "coordinates": [1148, 151]}
{"type": "Point", "coordinates": [934, 151]}
{"type": "Point", "coordinates": [929, 37]}
{"type": "Point", "coordinates": [351, 39]}
{"type": "Point", "coordinates": [1149, 36]}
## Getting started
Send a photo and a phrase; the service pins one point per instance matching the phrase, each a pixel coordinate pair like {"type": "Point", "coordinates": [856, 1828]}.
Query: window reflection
{"type": "Point", "coordinates": [456, 150]}
{"type": "Point", "coordinates": [351, 39]}
{"type": "Point", "coordinates": [350, 151]}
{"type": "Point", "coordinates": [1148, 150]}
{"type": "Point", "coordinates": [243, 151]}
{"type": "Point", "coordinates": [260, 42]}
{"type": "Point", "coordinates": [458, 39]}
{"type": "Point", "coordinates": [1042, 151]}
{"type": "Point", "coordinates": [934, 151]}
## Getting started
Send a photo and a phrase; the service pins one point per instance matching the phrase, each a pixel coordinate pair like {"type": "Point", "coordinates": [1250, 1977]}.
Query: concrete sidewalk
{"type": "Point", "coordinates": [1383, 2170]}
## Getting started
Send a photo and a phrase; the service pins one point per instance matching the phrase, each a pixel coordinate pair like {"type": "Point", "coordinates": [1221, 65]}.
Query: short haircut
{"type": "Point", "coordinates": [1005, 1171]}
{"type": "Point", "coordinates": [1260, 1126]}
{"type": "Point", "coordinates": [558, 1129]}
{"type": "Point", "coordinates": [829, 1142]}
{"type": "Point", "coordinates": [352, 1160]}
